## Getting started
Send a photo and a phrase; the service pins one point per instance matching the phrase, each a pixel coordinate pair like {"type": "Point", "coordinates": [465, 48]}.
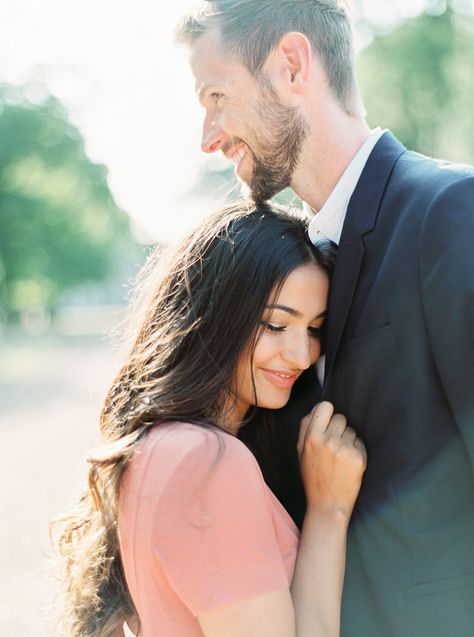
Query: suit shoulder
{"type": "Point", "coordinates": [429, 172]}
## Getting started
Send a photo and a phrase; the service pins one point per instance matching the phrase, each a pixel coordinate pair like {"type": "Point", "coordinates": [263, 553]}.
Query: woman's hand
{"type": "Point", "coordinates": [332, 462]}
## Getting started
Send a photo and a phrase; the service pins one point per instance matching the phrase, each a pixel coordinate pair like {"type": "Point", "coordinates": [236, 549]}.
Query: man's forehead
{"type": "Point", "coordinates": [208, 64]}
{"type": "Point", "coordinates": [205, 49]}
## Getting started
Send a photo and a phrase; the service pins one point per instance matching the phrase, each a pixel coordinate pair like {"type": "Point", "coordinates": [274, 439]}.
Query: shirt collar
{"type": "Point", "coordinates": [328, 222]}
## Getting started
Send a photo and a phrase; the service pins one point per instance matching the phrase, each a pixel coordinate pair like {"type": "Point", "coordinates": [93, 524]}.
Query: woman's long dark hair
{"type": "Point", "coordinates": [205, 307]}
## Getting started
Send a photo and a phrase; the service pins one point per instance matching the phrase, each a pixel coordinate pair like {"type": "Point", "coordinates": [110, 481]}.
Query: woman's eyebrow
{"type": "Point", "coordinates": [292, 311]}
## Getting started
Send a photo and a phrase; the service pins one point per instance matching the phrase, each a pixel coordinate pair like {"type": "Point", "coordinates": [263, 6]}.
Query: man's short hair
{"type": "Point", "coordinates": [250, 29]}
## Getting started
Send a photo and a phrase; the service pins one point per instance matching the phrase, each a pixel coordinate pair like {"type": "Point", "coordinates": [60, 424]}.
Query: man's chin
{"type": "Point", "coordinates": [260, 192]}
{"type": "Point", "coordinates": [256, 188]}
{"type": "Point", "coordinates": [245, 190]}
{"type": "Point", "coordinates": [257, 196]}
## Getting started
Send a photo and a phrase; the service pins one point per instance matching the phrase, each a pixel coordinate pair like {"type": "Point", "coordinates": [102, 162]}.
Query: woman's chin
{"type": "Point", "coordinates": [276, 402]}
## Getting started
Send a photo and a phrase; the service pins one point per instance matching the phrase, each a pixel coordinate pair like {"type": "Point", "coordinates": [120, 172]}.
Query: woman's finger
{"type": "Point", "coordinates": [349, 436]}
{"type": "Point", "coordinates": [317, 419]}
{"type": "Point", "coordinates": [359, 445]}
{"type": "Point", "coordinates": [322, 416]}
{"type": "Point", "coordinates": [337, 426]}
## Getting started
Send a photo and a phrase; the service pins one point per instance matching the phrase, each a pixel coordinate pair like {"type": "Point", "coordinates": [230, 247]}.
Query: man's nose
{"type": "Point", "coordinates": [213, 137]}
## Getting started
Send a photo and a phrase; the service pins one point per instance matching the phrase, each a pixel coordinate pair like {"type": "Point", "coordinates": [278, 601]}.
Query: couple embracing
{"type": "Point", "coordinates": [231, 496]}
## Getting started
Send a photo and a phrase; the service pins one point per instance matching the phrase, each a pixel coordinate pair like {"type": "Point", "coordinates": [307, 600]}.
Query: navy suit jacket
{"type": "Point", "coordinates": [400, 366]}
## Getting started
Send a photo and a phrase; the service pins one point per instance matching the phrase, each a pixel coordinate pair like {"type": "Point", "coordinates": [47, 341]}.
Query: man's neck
{"type": "Point", "coordinates": [327, 152]}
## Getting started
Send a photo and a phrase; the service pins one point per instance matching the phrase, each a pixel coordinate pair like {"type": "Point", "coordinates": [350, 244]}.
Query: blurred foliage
{"type": "Point", "coordinates": [417, 80]}
{"type": "Point", "coordinates": [59, 224]}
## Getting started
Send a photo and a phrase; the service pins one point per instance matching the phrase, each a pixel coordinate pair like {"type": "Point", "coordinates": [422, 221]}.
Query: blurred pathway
{"type": "Point", "coordinates": [50, 395]}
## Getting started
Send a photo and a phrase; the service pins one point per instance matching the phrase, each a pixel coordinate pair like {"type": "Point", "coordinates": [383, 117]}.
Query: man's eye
{"type": "Point", "coordinates": [217, 96]}
{"type": "Point", "coordinates": [272, 328]}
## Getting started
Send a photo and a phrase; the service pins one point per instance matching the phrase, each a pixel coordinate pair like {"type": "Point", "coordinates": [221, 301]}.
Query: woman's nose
{"type": "Point", "coordinates": [302, 352]}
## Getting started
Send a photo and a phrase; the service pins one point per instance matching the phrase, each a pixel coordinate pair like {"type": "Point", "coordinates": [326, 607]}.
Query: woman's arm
{"type": "Point", "coordinates": [317, 583]}
{"type": "Point", "coordinates": [332, 464]}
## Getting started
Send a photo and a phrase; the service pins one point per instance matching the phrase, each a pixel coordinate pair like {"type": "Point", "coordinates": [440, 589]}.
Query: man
{"type": "Point", "coordinates": [277, 84]}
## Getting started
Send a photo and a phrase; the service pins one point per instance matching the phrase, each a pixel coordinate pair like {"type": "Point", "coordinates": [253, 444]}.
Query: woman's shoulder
{"type": "Point", "coordinates": [177, 466]}
{"type": "Point", "coordinates": [169, 445]}
{"type": "Point", "coordinates": [189, 436]}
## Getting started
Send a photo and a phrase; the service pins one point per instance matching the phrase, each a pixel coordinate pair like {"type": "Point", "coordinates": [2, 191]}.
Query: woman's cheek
{"type": "Point", "coordinates": [267, 348]}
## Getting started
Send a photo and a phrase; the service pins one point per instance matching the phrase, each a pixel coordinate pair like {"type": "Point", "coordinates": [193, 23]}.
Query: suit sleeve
{"type": "Point", "coordinates": [213, 531]}
{"type": "Point", "coordinates": [447, 287]}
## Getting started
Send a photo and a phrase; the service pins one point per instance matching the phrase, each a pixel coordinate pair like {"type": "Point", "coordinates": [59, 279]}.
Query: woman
{"type": "Point", "coordinates": [178, 533]}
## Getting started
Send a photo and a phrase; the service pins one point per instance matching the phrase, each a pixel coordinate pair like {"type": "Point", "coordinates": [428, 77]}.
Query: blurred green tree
{"type": "Point", "coordinates": [419, 82]}
{"type": "Point", "coordinates": [59, 224]}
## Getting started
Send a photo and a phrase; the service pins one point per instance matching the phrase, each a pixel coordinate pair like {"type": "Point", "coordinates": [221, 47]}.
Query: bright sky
{"type": "Point", "coordinates": [129, 90]}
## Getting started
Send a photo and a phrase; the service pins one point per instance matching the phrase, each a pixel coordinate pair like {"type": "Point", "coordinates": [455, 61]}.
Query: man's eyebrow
{"type": "Point", "coordinates": [292, 311]}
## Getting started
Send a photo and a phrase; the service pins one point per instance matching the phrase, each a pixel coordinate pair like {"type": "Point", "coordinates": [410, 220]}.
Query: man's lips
{"type": "Point", "coordinates": [237, 154]}
{"type": "Point", "coordinates": [281, 378]}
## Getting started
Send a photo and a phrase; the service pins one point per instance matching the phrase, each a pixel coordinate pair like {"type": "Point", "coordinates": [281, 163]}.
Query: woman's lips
{"type": "Point", "coordinates": [280, 379]}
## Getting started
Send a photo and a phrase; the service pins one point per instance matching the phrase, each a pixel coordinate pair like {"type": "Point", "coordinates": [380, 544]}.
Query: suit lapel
{"type": "Point", "coordinates": [343, 283]}
{"type": "Point", "coordinates": [360, 219]}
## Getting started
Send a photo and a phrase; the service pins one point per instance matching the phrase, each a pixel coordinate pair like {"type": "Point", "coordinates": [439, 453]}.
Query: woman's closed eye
{"type": "Point", "coordinates": [273, 328]}
{"type": "Point", "coordinates": [313, 330]}
{"type": "Point", "coordinates": [316, 331]}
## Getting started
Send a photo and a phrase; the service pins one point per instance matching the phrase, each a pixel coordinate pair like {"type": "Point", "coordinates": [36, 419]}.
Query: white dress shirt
{"type": "Point", "coordinates": [328, 222]}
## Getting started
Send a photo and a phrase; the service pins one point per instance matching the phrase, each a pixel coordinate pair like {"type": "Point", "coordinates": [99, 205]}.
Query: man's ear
{"type": "Point", "coordinates": [294, 54]}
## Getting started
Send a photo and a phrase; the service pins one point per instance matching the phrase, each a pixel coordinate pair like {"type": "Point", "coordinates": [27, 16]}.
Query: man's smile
{"type": "Point", "coordinates": [237, 155]}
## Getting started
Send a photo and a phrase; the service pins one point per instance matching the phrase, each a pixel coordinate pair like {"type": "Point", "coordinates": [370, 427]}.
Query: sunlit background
{"type": "Point", "coordinates": [100, 159]}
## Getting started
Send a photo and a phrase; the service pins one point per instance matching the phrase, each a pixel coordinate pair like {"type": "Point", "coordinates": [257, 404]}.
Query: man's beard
{"type": "Point", "coordinates": [279, 147]}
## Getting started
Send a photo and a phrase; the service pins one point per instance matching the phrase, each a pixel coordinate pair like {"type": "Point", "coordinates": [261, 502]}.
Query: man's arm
{"type": "Point", "coordinates": [447, 288]}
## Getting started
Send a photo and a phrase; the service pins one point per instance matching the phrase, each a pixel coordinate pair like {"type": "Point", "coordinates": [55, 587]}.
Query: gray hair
{"type": "Point", "coordinates": [250, 29]}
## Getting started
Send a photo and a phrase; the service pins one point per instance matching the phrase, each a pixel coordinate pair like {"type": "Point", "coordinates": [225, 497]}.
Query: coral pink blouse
{"type": "Point", "coordinates": [199, 530]}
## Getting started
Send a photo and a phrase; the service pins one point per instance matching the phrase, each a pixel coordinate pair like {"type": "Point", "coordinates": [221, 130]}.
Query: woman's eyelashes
{"type": "Point", "coordinates": [271, 327]}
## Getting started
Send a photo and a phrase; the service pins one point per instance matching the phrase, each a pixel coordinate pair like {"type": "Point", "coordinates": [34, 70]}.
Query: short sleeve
{"type": "Point", "coordinates": [213, 530]}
